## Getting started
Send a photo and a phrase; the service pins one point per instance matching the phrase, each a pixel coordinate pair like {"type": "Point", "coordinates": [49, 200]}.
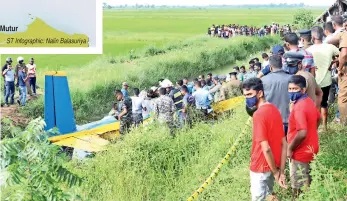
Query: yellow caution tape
{"type": "Point", "coordinates": [219, 166]}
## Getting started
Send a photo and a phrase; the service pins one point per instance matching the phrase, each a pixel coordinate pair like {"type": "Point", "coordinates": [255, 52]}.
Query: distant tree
{"type": "Point", "coordinates": [104, 5]}
{"type": "Point", "coordinates": [303, 19]}
{"type": "Point", "coordinates": [109, 6]}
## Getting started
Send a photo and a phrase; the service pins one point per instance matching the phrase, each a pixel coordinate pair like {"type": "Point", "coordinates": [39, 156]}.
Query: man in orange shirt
{"type": "Point", "coordinates": [269, 145]}
{"type": "Point", "coordinates": [304, 120]}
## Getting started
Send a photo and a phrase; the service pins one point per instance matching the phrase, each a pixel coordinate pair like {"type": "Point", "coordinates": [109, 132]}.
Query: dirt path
{"type": "Point", "coordinates": [12, 112]}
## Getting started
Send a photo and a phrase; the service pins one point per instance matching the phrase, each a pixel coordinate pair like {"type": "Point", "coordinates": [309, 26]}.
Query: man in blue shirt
{"type": "Point", "coordinates": [22, 78]}
{"type": "Point", "coordinates": [125, 89]}
{"type": "Point", "coordinates": [276, 50]}
{"type": "Point", "coordinates": [202, 99]}
{"type": "Point", "coordinates": [189, 85]}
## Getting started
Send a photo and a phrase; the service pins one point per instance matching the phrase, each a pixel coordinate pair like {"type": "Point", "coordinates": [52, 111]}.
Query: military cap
{"type": "Point", "coordinates": [292, 58]}
{"type": "Point", "coordinates": [222, 77]}
{"type": "Point", "coordinates": [233, 73]}
{"type": "Point", "coordinates": [215, 77]}
{"type": "Point", "coordinates": [344, 16]}
{"type": "Point", "coordinates": [277, 49]}
{"type": "Point", "coordinates": [305, 32]}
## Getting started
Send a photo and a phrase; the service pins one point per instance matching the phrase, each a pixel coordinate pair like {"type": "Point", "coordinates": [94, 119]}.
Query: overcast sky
{"type": "Point", "coordinates": [215, 2]}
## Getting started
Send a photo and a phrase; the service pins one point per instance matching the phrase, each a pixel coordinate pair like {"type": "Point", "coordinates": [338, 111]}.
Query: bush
{"type": "Point", "coordinates": [31, 167]}
{"type": "Point", "coordinates": [303, 19]}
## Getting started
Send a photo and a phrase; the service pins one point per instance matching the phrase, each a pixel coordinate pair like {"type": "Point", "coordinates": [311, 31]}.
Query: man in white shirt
{"type": "Point", "coordinates": [337, 22]}
{"type": "Point", "coordinates": [137, 107]}
{"type": "Point", "coordinates": [9, 75]}
{"type": "Point", "coordinates": [266, 59]}
{"type": "Point", "coordinates": [328, 31]}
{"type": "Point", "coordinates": [322, 54]}
{"type": "Point", "coordinates": [31, 68]}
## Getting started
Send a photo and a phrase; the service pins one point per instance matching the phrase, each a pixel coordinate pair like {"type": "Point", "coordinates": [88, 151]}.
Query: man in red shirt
{"type": "Point", "coordinates": [269, 146]}
{"type": "Point", "coordinates": [304, 120]}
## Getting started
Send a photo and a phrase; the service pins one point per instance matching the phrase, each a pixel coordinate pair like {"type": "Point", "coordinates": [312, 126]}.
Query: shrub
{"type": "Point", "coordinates": [31, 167]}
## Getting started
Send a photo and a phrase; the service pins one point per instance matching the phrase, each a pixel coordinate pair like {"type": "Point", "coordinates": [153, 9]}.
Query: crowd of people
{"type": "Point", "coordinates": [21, 76]}
{"type": "Point", "coordinates": [287, 95]}
{"type": "Point", "coordinates": [232, 30]}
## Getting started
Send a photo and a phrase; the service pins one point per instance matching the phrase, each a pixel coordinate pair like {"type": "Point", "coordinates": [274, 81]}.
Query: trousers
{"type": "Point", "coordinates": [342, 98]}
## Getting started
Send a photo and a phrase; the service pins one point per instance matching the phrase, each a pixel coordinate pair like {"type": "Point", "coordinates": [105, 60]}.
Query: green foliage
{"type": "Point", "coordinates": [33, 167]}
{"type": "Point", "coordinates": [303, 19]}
{"type": "Point", "coordinates": [328, 170]}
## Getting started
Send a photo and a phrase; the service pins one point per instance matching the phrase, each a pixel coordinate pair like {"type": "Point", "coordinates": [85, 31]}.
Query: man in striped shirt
{"type": "Point", "coordinates": [291, 44]}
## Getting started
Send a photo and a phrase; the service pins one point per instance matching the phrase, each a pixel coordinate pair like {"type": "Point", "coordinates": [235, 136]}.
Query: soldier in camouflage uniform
{"type": "Point", "coordinates": [164, 110]}
{"type": "Point", "coordinates": [125, 112]}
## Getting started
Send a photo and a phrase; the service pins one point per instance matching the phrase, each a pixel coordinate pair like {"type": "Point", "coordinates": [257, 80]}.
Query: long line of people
{"type": "Point", "coordinates": [232, 30]}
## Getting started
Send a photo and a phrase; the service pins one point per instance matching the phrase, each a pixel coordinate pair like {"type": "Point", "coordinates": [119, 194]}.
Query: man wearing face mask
{"type": "Point", "coordinates": [269, 145]}
{"type": "Point", "coordinates": [294, 65]}
{"type": "Point", "coordinates": [291, 44]}
{"type": "Point", "coordinates": [303, 143]}
{"type": "Point", "coordinates": [323, 54]}
{"type": "Point", "coordinates": [275, 88]}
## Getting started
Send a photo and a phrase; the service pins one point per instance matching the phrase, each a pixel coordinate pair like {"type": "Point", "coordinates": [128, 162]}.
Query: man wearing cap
{"type": "Point", "coordinates": [177, 97]}
{"type": "Point", "coordinates": [276, 88]}
{"type": "Point", "coordinates": [312, 88]}
{"type": "Point", "coordinates": [305, 39]}
{"type": "Point", "coordinates": [323, 54]}
{"type": "Point", "coordinates": [291, 44]}
{"type": "Point", "coordinates": [227, 88]}
{"type": "Point", "coordinates": [19, 67]}
{"type": "Point", "coordinates": [124, 109]}
{"type": "Point", "coordinates": [124, 90]}
{"type": "Point", "coordinates": [276, 50]}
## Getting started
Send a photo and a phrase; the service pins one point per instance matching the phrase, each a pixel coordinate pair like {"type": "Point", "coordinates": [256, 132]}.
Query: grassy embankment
{"type": "Point", "coordinates": [92, 87]}
{"type": "Point", "coordinates": [149, 165]}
